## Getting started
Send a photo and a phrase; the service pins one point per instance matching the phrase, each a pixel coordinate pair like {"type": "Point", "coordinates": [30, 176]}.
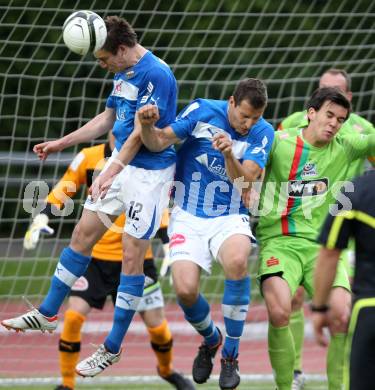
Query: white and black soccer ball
{"type": "Point", "coordinates": [84, 32]}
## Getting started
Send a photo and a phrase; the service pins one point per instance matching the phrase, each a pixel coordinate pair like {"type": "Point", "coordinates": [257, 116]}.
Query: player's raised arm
{"type": "Point", "coordinates": [99, 125]}
{"type": "Point", "coordinates": [254, 134]}
{"type": "Point", "coordinates": [153, 138]}
{"type": "Point", "coordinates": [127, 152]}
{"type": "Point", "coordinates": [359, 146]}
{"type": "Point", "coordinates": [249, 170]}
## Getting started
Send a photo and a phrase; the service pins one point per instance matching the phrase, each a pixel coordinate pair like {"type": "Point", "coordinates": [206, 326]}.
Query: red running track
{"type": "Point", "coordinates": [35, 354]}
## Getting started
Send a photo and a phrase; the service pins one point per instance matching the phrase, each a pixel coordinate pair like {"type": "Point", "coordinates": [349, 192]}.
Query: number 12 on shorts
{"type": "Point", "coordinates": [134, 209]}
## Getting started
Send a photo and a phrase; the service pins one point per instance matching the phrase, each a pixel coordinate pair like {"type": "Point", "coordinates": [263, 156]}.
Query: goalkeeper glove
{"type": "Point", "coordinates": [39, 225]}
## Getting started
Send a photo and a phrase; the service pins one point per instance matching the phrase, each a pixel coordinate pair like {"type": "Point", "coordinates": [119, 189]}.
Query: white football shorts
{"type": "Point", "coordinates": [199, 239]}
{"type": "Point", "coordinates": [141, 193]}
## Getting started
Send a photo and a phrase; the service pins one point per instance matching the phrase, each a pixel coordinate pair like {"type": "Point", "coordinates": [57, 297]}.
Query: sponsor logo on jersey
{"type": "Point", "coordinates": [124, 89]}
{"type": "Point", "coordinates": [117, 88]}
{"type": "Point", "coordinates": [120, 114]}
{"type": "Point", "coordinates": [301, 188]}
{"type": "Point", "coordinates": [213, 166]}
{"type": "Point", "coordinates": [176, 239]}
{"type": "Point", "coordinates": [309, 169]}
{"type": "Point", "coordinates": [81, 284]}
{"type": "Point", "coordinates": [272, 261]}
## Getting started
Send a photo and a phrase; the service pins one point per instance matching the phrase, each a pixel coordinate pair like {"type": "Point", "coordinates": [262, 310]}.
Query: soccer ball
{"type": "Point", "coordinates": [84, 31]}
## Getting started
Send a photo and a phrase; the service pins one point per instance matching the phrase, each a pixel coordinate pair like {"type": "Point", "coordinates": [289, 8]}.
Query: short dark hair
{"type": "Point", "coordinates": [342, 72]}
{"type": "Point", "coordinates": [334, 95]}
{"type": "Point", "coordinates": [252, 90]}
{"type": "Point", "coordinates": [119, 32]}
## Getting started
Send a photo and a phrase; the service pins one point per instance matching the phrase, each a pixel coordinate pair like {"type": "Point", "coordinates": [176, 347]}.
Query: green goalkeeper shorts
{"type": "Point", "coordinates": [295, 259]}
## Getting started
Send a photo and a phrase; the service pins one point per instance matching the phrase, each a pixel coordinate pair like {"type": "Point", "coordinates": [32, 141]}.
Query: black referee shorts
{"type": "Point", "coordinates": [102, 278]}
{"type": "Point", "coordinates": [360, 349]}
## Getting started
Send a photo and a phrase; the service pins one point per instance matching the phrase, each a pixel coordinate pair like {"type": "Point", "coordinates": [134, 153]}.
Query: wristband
{"type": "Point", "coordinates": [319, 309]}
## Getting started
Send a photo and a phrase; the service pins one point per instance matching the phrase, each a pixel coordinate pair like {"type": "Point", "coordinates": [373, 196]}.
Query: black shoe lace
{"type": "Point", "coordinates": [205, 354]}
{"type": "Point", "coordinates": [228, 366]}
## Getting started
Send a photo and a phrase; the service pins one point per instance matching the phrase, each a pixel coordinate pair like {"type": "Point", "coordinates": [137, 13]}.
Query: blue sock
{"type": "Point", "coordinates": [199, 317]}
{"type": "Point", "coordinates": [71, 266]}
{"type": "Point", "coordinates": [235, 306]}
{"type": "Point", "coordinates": [129, 293]}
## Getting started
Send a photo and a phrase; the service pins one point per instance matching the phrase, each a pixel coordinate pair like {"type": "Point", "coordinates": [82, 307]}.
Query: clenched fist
{"type": "Point", "coordinates": [148, 115]}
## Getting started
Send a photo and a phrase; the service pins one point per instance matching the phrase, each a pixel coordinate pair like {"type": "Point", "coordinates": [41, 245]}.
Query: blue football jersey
{"type": "Point", "coordinates": [148, 81]}
{"type": "Point", "coordinates": [202, 185]}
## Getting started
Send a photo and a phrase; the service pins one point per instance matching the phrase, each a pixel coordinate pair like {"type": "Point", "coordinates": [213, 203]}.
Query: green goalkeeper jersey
{"type": "Point", "coordinates": [301, 181]}
{"type": "Point", "coordinates": [354, 124]}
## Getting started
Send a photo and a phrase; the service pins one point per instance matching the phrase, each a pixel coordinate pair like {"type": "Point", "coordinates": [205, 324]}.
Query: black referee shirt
{"type": "Point", "coordinates": [357, 221]}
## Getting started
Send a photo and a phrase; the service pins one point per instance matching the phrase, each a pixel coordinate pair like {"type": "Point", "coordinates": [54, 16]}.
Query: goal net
{"type": "Point", "coordinates": [47, 92]}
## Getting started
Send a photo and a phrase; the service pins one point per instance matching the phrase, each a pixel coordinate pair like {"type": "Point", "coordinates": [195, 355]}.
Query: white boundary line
{"type": "Point", "coordinates": [252, 330]}
{"type": "Point", "coordinates": [118, 380]}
